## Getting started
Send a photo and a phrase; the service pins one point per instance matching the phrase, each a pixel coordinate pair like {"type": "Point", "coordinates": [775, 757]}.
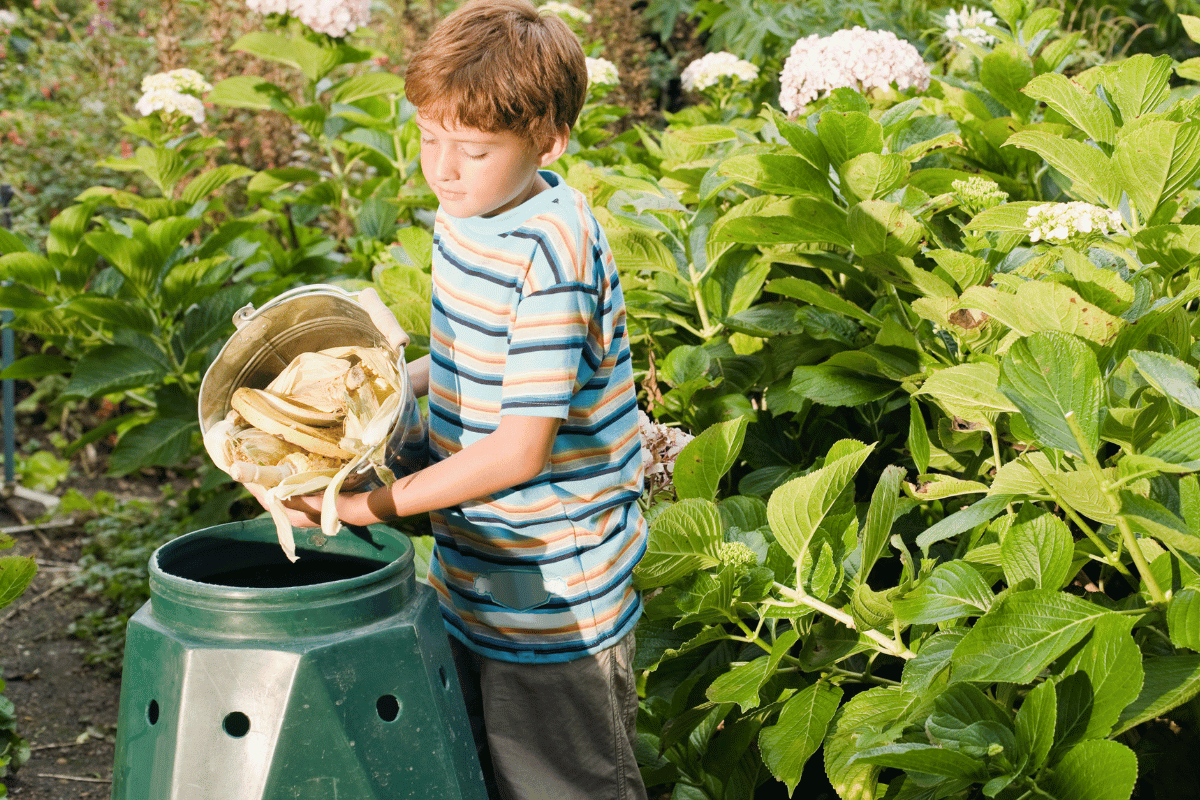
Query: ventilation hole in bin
{"type": "Point", "coordinates": [388, 707]}
{"type": "Point", "coordinates": [236, 724]}
{"type": "Point", "coordinates": [152, 712]}
{"type": "Point", "coordinates": [442, 675]}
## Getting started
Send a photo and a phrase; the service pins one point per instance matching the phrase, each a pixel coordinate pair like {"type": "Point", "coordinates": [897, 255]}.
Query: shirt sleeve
{"type": "Point", "coordinates": [548, 337]}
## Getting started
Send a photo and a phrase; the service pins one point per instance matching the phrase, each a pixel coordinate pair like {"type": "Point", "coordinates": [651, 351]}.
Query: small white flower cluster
{"type": "Point", "coordinates": [856, 58]}
{"type": "Point", "coordinates": [602, 72]}
{"type": "Point", "coordinates": [968, 23]}
{"type": "Point", "coordinates": [333, 17]}
{"type": "Point", "coordinates": [174, 92]}
{"type": "Point", "coordinates": [8, 19]}
{"type": "Point", "coordinates": [661, 445]}
{"type": "Point", "coordinates": [708, 71]}
{"type": "Point", "coordinates": [565, 10]}
{"type": "Point", "coordinates": [1061, 221]}
{"type": "Point", "coordinates": [977, 193]}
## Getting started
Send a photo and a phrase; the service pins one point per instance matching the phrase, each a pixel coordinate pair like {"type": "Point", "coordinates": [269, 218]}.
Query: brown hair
{"type": "Point", "coordinates": [499, 65]}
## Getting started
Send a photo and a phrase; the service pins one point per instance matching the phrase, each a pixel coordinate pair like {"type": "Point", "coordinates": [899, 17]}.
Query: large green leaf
{"type": "Point", "coordinates": [741, 684]}
{"type": "Point", "coordinates": [880, 515]}
{"type": "Point", "coordinates": [113, 368]}
{"type": "Point", "coordinates": [1176, 379]}
{"type": "Point", "coordinates": [204, 184]}
{"type": "Point", "coordinates": [162, 442]}
{"type": "Point", "coordinates": [1170, 681]}
{"type": "Point", "coordinates": [1179, 445]}
{"type": "Point", "coordinates": [1088, 169]}
{"type": "Point", "coordinates": [872, 710]}
{"type": "Point", "coordinates": [1043, 306]}
{"type": "Point", "coordinates": [788, 744]}
{"type": "Point", "coordinates": [1112, 662]}
{"type": "Point", "coordinates": [1094, 770]}
{"type": "Point", "coordinates": [870, 176]}
{"type": "Point", "coordinates": [1138, 85]}
{"type": "Point", "coordinates": [15, 574]}
{"type": "Point", "coordinates": [682, 539]}
{"type": "Point", "coordinates": [927, 759]}
{"type": "Point", "coordinates": [794, 221]}
{"type": "Point", "coordinates": [1083, 109]}
{"type": "Point", "coordinates": [1021, 635]}
{"type": "Point", "coordinates": [705, 459]}
{"type": "Point", "coordinates": [846, 134]}
{"type": "Point", "coordinates": [878, 226]}
{"type": "Point", "coordinates": [797, 508]}
{"type": "Point", "coordinates": [1004, 72]}
{"type": "Point", "coordinates": [819, 296]}
{"type": "Point", "coordinates": [778, 173]}
{"type": "Point", "coordinates": [120, 314]}
{"type": "Point", "coordinates": [831, 385]}
{"type": "Point", "coordinates": [968, 391]}
{"type": "Point", "coordinates": [1153, 162]}
{"type": "Point", "coordinates": [30, 269]}
{"type": "Point", "coordinates": [954, 589]}
{"type": "Point", "coordinates": [963, 520]}
{"type": "Point", "coordinates": [1183, 619]}
{"type": "Point", "coordinates": [1053, 377]}
{"type": "Point", "coordinates": [1040, 550]}
{"type": "Point", "coordinates": [1035, 724]}
{"type": "Point", "coordinates": [368, 85]}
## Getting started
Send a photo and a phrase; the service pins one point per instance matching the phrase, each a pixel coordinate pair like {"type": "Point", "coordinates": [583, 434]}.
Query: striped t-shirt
{"type": "Point", "coordinates": [528, 318]}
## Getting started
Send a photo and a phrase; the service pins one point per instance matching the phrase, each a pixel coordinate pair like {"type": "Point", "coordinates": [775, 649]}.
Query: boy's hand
{"type": "Point", "coordinates": [300, 516]}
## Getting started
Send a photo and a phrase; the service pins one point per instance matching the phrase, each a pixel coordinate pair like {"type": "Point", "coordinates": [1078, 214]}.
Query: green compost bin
{"type": "Point", "coordinates": [247, 677]}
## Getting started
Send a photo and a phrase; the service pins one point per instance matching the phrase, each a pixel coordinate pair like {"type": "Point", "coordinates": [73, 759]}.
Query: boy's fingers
{"type": "Point", "coordinates": [383, 318]}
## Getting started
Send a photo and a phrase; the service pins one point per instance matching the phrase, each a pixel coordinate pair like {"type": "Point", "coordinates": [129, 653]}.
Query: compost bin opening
{"type": "Point", "coordinates": [262, 565]}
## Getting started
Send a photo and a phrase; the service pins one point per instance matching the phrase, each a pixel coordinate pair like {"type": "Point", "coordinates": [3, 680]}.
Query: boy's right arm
{"type": "Point", "coordinates": [418, 376]}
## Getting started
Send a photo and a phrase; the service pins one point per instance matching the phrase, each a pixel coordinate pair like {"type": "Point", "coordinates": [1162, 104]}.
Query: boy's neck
{"type": "Point", "coordinates": [536, 187]}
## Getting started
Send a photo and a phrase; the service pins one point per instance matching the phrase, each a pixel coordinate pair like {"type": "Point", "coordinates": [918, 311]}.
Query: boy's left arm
{"type": "Point", "coordinates": [514, 453]}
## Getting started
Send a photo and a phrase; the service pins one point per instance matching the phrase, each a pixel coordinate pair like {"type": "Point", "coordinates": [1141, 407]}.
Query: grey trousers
{"type": "Point", "coordinates": [562, 731]}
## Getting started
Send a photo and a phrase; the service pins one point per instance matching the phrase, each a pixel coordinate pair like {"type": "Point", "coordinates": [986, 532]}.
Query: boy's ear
{"type": "Point", "coordinates": [556, 147]}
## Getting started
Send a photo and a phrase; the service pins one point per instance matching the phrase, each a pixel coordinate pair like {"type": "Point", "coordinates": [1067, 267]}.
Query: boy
{"type": "Point", "coordinates": [535, 452]}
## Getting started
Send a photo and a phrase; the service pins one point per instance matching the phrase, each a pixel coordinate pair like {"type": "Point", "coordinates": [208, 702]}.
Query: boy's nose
{"type": "Point", "coordinates": [445, 166]}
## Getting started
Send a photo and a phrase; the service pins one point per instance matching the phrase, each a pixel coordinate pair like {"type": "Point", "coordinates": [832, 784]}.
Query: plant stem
{"type": "Point", "coordinates": [862, 676]}
{"type": "Point", "coordinates": [1114, 504]}
{"type": "Point", "coordinates": [889, 646]}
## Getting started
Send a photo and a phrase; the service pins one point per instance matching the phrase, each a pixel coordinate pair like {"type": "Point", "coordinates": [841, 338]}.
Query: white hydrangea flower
{"type": "Point", "coordinates": [602, 72]}
{"type": "Point", "coordinates": [171, 101]}
{"type": "Point", "coordinates": [977, 193]}
{"type": "Point", "coordinates": [857, 58]}
{"type": "Point", "coordinates": [1061, 221]}
{"type": "Point", "coordinates": [708, 71]}
{"type": "Point", "coordinates": [968, 23]}
{"type": "Point", "coordinates": [565, 10]}
{"type": "Point", "coordinates": [8, 18]}
{"type": "Point", "coordinates": [661, 445]}
{"type": "Point", "coordinates": [177, 80]}
{"type": "Point", "coordinates": [333, 17]}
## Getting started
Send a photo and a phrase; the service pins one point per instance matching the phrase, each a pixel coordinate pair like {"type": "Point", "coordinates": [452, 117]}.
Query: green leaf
{"type": "Point", "coordinates": [1183, 619]}
{"type": "Point", "coordinates": [877, 226]}
{"type": "Point", "coordinates": [870, 176]}
{"type": "Point", "coordinates": [1092, 176]}
{"type": "Point", "coordinates": [1021, 635]}
{"type": "Point", "coordinates": [953, 524]}
{"type": "Point", "coordinates": [120, 314]}
{"type": "Point", "coordinates": [788, 744]}
{"type": "Point", "coordinates": [206, 183]}
{"type": "Point", "coordinates": [1138, 85]}
{"type": "Point", "coordinates": [872, 710]}
{"type": "Point", "coordinates": [1191, 26]}
{"type": "Point", "coordinates": [165, 441]}
{"type": "Point", "coordinates": [1155, 161]}
{"type": "Point", "coordinates": [637, 250]}
{"type": "Point", "coordinates": [1170, 681]}
{"type": "Point", "coordinates": [1179, 445]}
{"type": "Point", "coordinates": [838, 386]}
{"type": "Point", "coordinates": [113, 368]}
{"type": "Point", "coordinates": [968, 391]}
{"type": "Point", "coordinates": [1175, 379]}
{"type": "Point", "coordinates": [1041, 306]}
{"type": "Point", "coordinates": [1081, 108]}
{"type": "Point", "coordinates": [35, 366]}
{"type": "Point", "coordinates": [705, 460]}
{"type": "Point", "coordinates": [1041, 550]}
{"type": "Point", "coordinates": [794, 221]}
{"type": "Point", "coordinates": [820, 297]}
{"type": "Point", "coordinates": [932, 660]}
{"type": "Point", "coordinates": [1112, 662]}
{"type": "Point", "coordinates": [954, 589]}
{"type": "Point", "coordinates": [1049, 376]}
{"type": "Point", "coordinates": [880, 516]}
{"type": "Point", "coordinates": [1004, 72]}
{"type": "Point", "coordinates": [741, 684]}
{"type": "Point", "coordinates": [1007, 218]}
{"type": "Point", "coordinates": [918, 438]}
{"type": "Point", "coordinates": [797, 508]}
{"type": "Point", "coordinates": [1152, 518]}
{"type": "Point", "coordinates": [15, 574]}
{"type": "Point", "coordinates": [1035, 725]}
{"type": "Point", "coordinates": [682, 539]}
{"type": "Point", "coordinates": [1094, 770]}
{"type": "Point", "coordinates": [367, 85]}
{"type": "Point", "coordinates": [29, 269]}
{"type": "Point", "coordinates": [846, 134]}
{"type": "Point", "coordinates": [778, 173]}
{"type": "Point", "coordinates": [926, 758]}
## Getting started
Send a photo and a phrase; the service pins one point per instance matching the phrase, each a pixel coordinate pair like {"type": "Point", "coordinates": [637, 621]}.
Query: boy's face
{"type": "Point", "coordinates": [475, 173]}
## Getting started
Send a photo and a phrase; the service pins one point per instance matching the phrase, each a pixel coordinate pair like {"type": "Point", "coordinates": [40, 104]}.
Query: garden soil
{"type": "Point", "coordinates": [65, 708]}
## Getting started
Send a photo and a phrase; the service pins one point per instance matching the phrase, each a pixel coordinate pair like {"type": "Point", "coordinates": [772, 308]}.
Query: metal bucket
{"type": "Point", "coordinates": [304, 320]}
